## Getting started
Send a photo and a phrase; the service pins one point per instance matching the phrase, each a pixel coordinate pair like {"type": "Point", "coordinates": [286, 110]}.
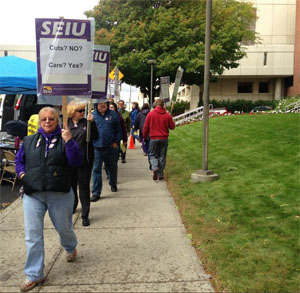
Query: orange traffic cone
{"type": "Point", "coordinates": [131, 144]}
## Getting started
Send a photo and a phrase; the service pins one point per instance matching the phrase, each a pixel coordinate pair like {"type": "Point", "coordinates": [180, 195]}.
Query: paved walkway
{"type": "Point", "coordinates": [136, 242]}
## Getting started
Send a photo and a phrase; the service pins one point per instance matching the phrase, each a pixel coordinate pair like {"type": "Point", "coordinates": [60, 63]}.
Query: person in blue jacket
{"type": "Point", "coordinates": [106, 147]}
{"type": "Point", "coordinates": [133, 115]}
{"type": "Point", "coordinates": [44, 164]}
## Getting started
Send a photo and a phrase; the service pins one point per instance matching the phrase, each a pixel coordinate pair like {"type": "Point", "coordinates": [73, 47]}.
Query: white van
{"type": "Point", "coordinates": [18, 107]}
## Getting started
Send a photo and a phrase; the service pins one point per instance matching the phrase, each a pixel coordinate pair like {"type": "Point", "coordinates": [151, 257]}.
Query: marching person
{"type": "Point", "coordinates": [157, 125]}
{"type": "Point", "coordinates": [33, 124]}
{"type": "Point", "coordinates": [133, 115]}
{"type": "Point", "coordinates": [44, 164]}
{"type": "Point", "coordinates": [126, 116]}
{"type": "Point", "coordinates": [105, 147]}
{"type": "Point", "coordinates": [139, 125]}
{"type": "Point", "coordinates": [113, 107]}
{"type": "Point", "coordinates": [81, 176]}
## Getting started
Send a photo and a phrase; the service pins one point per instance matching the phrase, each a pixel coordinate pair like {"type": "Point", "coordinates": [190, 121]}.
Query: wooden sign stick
{"type": "Point", "coordinates": [64, 110]}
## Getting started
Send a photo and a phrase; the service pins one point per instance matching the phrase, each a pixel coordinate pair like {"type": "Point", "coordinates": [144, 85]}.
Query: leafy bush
{"type": "Point", "coordinates": [285, 102]}
{"type": "Point", "coordinates": [242, 105]}
{"type": "Point", "coordinates": [178, 108]}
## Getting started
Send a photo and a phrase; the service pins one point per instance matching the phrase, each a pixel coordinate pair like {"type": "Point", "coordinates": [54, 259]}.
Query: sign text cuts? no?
{"type": "Point", "coordinates": [65, 48]}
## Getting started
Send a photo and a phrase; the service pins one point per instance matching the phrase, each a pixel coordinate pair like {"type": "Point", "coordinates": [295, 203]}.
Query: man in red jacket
{"type": "Point", "coordinates": [157, 125]}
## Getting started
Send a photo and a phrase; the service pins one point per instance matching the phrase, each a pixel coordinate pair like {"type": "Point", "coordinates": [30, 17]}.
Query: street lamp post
{"type": "Point", "coordinates": [151, 62]}
{"type": "Point", "coordinates": [205, 174]}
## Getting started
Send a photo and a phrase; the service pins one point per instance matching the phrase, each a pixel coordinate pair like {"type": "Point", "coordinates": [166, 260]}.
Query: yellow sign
{"type": "Point", "coordinates": [112, 75]}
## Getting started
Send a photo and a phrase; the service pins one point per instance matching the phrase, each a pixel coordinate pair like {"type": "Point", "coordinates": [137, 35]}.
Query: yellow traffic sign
{"type": "Point", "coordinates": [112, 75]}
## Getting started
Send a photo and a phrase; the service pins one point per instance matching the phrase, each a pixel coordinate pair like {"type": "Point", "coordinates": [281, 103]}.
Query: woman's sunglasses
{"type": "Point", "coordinates": [80, 111]}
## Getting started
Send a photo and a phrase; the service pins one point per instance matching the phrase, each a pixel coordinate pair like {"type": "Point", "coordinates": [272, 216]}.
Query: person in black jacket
{"type": "Point", "coordinates": [81, 176]}
{"type": "Point", "coordinates": [43, 164]}
{"type": "Point", "coordinates": [139, 124]}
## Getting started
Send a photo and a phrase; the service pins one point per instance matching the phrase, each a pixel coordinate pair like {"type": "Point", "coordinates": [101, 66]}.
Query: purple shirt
{"type": "Point", "coordinates": [73, 153]}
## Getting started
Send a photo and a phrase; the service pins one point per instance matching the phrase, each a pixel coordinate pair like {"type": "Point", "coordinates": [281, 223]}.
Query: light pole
{"type": "Point", "coordinates": [205, 174]}
{"type": "Point", "coordinates": [151, 62]}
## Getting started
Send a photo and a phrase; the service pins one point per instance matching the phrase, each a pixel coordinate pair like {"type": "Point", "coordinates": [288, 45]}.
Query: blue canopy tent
{"type": "Point", "coordinates": [17, 76]}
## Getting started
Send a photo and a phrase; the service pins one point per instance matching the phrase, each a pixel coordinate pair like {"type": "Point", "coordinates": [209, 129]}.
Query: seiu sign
{"type": "Point", "coordinates": [63, 28]}
{"type": "Point", "coordinates": [100, 56]}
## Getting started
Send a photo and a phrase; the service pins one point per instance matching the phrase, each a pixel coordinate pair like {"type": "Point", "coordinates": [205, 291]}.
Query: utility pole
{"type": "Point", "coordinates": [151, 62]}
{"type": "Point", "coordinates": [117, 92]}
{"type": "Point", "coordinates": [204, 174]}
{"type": "Point", "coordinates": [130, 97]}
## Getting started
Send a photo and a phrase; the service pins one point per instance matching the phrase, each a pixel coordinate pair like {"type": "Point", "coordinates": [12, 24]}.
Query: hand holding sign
{"type": "Point", "coordinates": [66, 134]}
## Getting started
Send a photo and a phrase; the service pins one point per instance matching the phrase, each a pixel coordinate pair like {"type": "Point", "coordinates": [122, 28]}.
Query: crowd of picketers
{"type": "Point", "coordinates": [56, 164]}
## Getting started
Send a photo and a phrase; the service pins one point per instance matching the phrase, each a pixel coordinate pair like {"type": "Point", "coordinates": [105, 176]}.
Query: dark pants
{"type": "Point", "coordinates": [144, 145]}
{"type": "Point", "coordinates": [123, 154]}
{"type": "Point", "coordinates": [158, 155]}
{"type": "Point", "coordinates": [147, 146]}
{"type": "Point", "coordinates": [81, 176]}
{"type": "Point", "coordinates": [109, 156]}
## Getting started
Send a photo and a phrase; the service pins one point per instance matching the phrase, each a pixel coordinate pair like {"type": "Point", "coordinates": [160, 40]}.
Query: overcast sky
{"type": "Point", "coordinates": [17, 20]}
{"type": "Point", "coordinates": [17, 17]}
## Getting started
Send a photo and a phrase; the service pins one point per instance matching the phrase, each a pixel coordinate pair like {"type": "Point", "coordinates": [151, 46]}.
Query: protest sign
{"type": "Point", "coordinates": [178, 78]}
{"type": "Point", "coordinates": [100, 73]}
{"type": "Point", "coordinates": [64, 56]}
{"type": "Point", "coordinates": [164, 88]}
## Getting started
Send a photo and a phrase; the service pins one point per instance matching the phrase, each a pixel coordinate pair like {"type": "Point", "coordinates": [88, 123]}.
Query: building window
{"type": "Point", "coordinates": [263, 87]}
{"type": "Point", "coordinates": [265, 58]}
{"type": "Point", "coordinates": [245, 87]}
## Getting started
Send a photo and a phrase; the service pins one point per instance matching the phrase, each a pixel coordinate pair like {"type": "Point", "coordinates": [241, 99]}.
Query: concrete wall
{"type": "Point", "coordinates": [227, 89]}
{"type": "Point", "coordinates": [275, 27]}
{"type": "Point", "coordinates": [275, 58]}
{"type": "Point", "coordinates": [295, 89]}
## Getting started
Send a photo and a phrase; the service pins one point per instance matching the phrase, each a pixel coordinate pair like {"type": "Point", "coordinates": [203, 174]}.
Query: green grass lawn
{"type": "Point", "coordinates": [245, 226]}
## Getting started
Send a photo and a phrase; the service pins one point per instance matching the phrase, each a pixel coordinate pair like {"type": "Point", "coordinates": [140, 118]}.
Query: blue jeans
{"type": "Point", "coordinates": [109, 156]}
{"type": "Point", "coordinates": [134, 135]}
{"type": "Point", "coordinates": [60, 209]}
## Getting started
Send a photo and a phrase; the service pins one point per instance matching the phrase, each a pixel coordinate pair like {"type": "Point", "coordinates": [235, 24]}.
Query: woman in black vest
{"type": "Point", "coordinates": [81, 176]}
{"type": "Point", "coordinates": [44, 163]}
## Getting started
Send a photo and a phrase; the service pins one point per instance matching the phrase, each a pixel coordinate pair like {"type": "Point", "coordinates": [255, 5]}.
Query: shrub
{"type": "Point", "coordinates": [285, 102]}
{"type": "Point", "coordinates": [178, 108]}
{"type": "Point", "coordinates": [242, 105]}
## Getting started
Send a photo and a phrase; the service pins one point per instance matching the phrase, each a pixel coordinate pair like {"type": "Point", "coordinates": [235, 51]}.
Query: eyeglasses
{"type": "Point", "coordinates": [49, 119]}
{"type": "Point", "coordinates": [80, 111]}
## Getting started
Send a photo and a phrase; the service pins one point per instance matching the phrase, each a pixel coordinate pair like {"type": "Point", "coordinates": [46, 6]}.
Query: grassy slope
{"type": "Point", "coordinates": [246, 224]}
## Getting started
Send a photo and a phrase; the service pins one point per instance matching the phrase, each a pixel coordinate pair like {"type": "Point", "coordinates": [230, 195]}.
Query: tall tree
{"type": "Point", "coordinates": [173, 33]}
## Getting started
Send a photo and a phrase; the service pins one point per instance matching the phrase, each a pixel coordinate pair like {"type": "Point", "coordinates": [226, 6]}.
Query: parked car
{"type": "Point", "coordinates": [261, 108]}
{"type": "Point", "coordinates": [219, 111]}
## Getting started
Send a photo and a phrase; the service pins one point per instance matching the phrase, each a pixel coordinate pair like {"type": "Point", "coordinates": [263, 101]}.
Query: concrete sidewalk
{"type": "Point", "coordinates": [136, 242]}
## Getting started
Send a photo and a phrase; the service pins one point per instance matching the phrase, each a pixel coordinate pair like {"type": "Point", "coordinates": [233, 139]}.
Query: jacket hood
{"type": "Point", "coordinates": [146, 111]}
{"type": "Point", "coordinates": [160, 110]}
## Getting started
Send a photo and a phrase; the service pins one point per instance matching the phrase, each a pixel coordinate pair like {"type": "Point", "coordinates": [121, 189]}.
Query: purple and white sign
{"type": "Point", "coordinates": [64, 56]}
{"type": "Point", "coordinates": [100, 73]}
